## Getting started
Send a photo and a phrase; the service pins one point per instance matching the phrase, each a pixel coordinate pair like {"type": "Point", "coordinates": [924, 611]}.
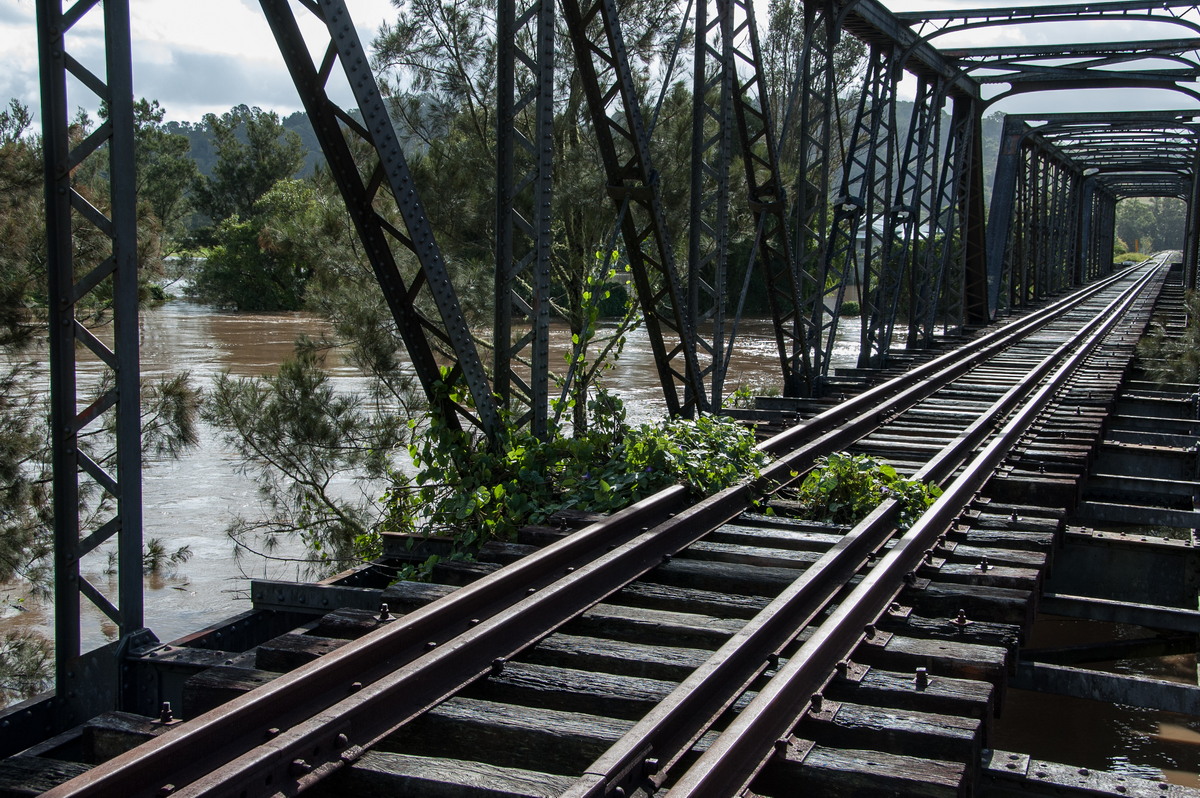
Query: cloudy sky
{"type": "Point", "coordinates": [193, 56]}
{"type": "Point", "coordinates": [197, 56]}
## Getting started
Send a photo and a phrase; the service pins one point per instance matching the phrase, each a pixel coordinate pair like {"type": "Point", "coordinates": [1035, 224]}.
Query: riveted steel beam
{"type": "Point", "coordinates": [524, 237]}
{"type": "Point", "coordinates": [388, 213]}
{"type": "Point", "coordinates": [615, 108]}
{"type": "Point", "coordinates": [87, 682]}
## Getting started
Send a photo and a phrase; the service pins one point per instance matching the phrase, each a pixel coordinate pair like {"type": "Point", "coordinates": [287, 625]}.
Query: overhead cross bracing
{"type": "Point", "coordinates": [848, 197]}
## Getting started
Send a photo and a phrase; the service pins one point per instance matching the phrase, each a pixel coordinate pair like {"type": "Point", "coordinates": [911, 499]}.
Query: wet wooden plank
{"type": "Point", "coordinates": [939, 694]}
{"type": "Point", "coordinates": [683, 599]}
{"type": "Point", "coordinates": [999, 604]}
{"type": "Point", "coordinates": [939, 657]}
{"type": "Point", "coordinates": [290, 651]}
{"type": "Point", "coordinates": [1003, 635]}
{"type": "Point", "coordinates": [848, 773]}
{"type": "Point", "coordinates": [897, 730]}
{"type": "Point", "coordinates": [215, 686]}
{"type": "Point", "coordinates": [571, 690]}
{"type": "Point", "coordinates": [628, 659]}
{"type": "Point", "coordinates": [514, 736]}
{"type": "Point", "coordinates": [22, 776]}
{"type": "Point", "coordinates": [654, 627]}
{"type": "Point", "coordinates": [407, 776]}
{"type": "Point", "coordinates": [113, 733]}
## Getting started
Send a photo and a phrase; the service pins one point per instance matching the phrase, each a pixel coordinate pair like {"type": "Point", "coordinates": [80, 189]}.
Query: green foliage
{"type": "Point", "coordinates": [26, 662]}
{"type": "Point", "coordinates": [851, 308]}
{"type": "Point", "coordinates": [474, 494]}
{"type": "Point", "coordinates": [306, 446]}
{"type": "Point", "coordinates": [844, 488]}
{"type": "Point", "coordinates": [156, 558]}
{"type": "Point", "coordinates": [264, 263]}
{"type": "Point", "coordinates": [254, 152]}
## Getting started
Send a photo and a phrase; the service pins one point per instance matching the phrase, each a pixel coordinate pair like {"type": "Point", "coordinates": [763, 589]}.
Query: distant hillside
{"type": "Point", "coordinates": [202, 150]}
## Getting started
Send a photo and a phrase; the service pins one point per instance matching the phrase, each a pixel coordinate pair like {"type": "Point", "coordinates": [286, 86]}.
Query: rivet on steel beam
{"type": "Point", "coordinates": [498, 666]}
{"type": "Point", "coordinates": [355, 686]}
{"type": "Point", "coordinates": [666, 558]}
{"type": "Point", "coordinates": [164, 713]}
{"type": "Point", "coordinates": [772, 661]}
{"type": "Point", "coordinates": [299, 768]}
{"type": "Point", "coordinates": [432, 644]}
{"type": "Point", "coordinates": [342, 741]}
{"type": "Point", "coordinates": [922, 678]}
{"type": "Point", "coordinates": [166, 790]}
{"type": "Point", "coordinates": [842, 669]}
{"type": "Point", "coordinates": [1042, 469]}
{"type": "Point", "coordinates": [1014, 518]}
{"type": "Point", "coordinates": [473, 622]}
{"type": "Point", "coordinates": [818, 701]}
{"type": "Point", "coordinates": [570, 569]}
{"type": "Point", "coordinates": [272, 732]}
{"type": "Point", "coordinates": [984, 565]}
{"type": "Point", "coordinates": [960, 620]}
{"type": "Point", "coordinates": [384, 614]}
{"type": "Point", "coordinates": [781, 746]}
{"type": "Point", "coordinates": [869, 630]}
{"type": "Point", "coordinates": [650, 764]}
{"type": "Point", "coordinates": [910, 578]}
{"type": "Point", "coordinates": [530, 591]}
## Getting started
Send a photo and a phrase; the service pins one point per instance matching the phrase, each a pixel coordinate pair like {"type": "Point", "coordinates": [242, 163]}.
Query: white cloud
{"type": "Point", "coordinates": [193, 57]}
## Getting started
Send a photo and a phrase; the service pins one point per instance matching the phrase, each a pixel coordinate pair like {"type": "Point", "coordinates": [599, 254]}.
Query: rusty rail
{"type": "Point", "coordinates": [288, 734]}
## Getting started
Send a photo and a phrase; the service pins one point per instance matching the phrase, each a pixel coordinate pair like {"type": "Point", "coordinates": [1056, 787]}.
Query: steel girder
{"type": "Point", "coordinates": [815, 119]}
{"type": "Point", "coordinates": [524, 238]}
{"type": "Point", "coordinates": [768, 199]}
{"type": "Point", "coordinates": [616, 114]}
{"type": "Point", "coordinates": [109, 492]}
{"type": "Point", "coordinates": [712, 147]}
{"type": "Point", "coordinates": [954, 280]}
{"type": "Point", "coordinates": [1033, 237]}
{"type": "Point", "coordinates": [730, 97]}
{"type": "Point", "coordinates": [863, 209]}
{"type": "Point", "coordinates": [381, 200]}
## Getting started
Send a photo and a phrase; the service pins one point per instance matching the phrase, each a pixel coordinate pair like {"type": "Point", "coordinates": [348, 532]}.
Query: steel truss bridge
{"type": "Point", "coordinates": [879, 206]}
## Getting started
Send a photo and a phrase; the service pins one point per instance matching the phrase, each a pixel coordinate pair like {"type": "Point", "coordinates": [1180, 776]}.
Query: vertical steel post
{"type": "Point", "coordinates": [524, 237]}
{"type": "Point", "coordinates": [633, 186]}
{"type": "Point", "coordinates": [814, 158]}
{"type": "Point", "coordinates": [1191, 251]}
{"type": "Point", "coordinates": [87, 682]}
{"type": "Point", "coordinates": [1002, 222]}
{"type": "Point", "coordinates": [767, 198]}
{"type": "Point", "coordinates": [712, 144]}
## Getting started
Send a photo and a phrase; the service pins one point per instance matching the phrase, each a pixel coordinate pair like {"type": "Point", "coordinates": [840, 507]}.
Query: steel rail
{"type": "Point", "coordinates": [739, 753]}
{"type": "Point", "coordinates": [392, 674]}
{"type": "Point", "coordinates": [679, 720]}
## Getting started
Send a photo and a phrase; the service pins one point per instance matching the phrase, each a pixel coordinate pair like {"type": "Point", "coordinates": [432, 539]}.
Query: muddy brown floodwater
{"type": "Point", "coordinates": [191, 501]}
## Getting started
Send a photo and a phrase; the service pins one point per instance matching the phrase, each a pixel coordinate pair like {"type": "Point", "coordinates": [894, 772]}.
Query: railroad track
{"type": "Point", "coordinates": [696, 649]}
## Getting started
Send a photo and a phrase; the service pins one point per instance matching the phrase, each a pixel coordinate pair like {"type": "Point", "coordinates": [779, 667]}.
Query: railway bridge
{"type": "Point", "coordinates": [719, 647]}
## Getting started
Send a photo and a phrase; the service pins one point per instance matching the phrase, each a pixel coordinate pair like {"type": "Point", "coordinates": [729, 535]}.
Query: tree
{"type": "Point", "coordinates": [254, 152]}
{"type": "Point", "coordinates": [1135, 224]}
{"type": "Point", "coordinates": [247, 268]}
{"type": "Point", "coordinates": [165, 176]}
